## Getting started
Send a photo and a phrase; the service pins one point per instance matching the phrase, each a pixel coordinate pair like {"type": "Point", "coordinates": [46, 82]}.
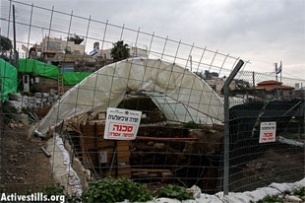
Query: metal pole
{"type": "Point", "coordinates": [303, 108]}
{"type": "Point", "coordinates": [14, 28]}
{"type": "Point", "coordinates": [46, 47]}
{"type": "Point", "coordinates": [226, 122]}
{"type": "Point", "coordinates": [27, 55]}
{"type": "Point", "coordinates": [1, 129]}
{"type": "Point", "coordinates": [253, 84]}
{"type": "Point", "coordinates": [281, 65]}
{"type": "Point", "coordinates": [275, 71]}
{"type": "Point", "coordinates": [14, 32]}
{"type": "Point", "coordinates": [9, 20]}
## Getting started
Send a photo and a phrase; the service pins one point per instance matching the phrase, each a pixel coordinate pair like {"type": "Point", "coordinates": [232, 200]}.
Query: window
{"type": "Point", "coordinates": [53, 46]}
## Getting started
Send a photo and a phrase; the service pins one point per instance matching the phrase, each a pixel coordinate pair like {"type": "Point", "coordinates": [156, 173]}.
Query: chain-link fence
{"type": "Point", "coordinates": [266, 133]}
{"type": "Point", "coordinates": [178, 87]}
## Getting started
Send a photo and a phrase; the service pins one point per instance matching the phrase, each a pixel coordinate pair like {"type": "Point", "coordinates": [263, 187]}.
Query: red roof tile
{"type": "Point", "coordinates": [269, 82]}
{"type": "Point", "coordinates": [270, 85]}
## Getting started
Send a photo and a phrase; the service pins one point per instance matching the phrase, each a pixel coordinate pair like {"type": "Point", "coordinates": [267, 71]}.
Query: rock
{"type": "Point", "coordinates": [38, 94]}
{"type": "Point", "coordinates": [150, 143]}
{"type": "Point", "coordinates": [292, 198]}
{"type": "Point", "coordinates": [14, 104]}
{"type": "Point", "coordinates": [259, 166]}
{"type": "Point", "coordinates": [53, 92]}
{"type": "Point", "coordinates": [14, 96]}
{"type": "Point", "coordinates": [20, 179]}
{"type": "Point", "coordinates": [45, 95]}
{"type": "Point", "coordinates": [56, 97]}
{"type": "Point", "coordinates": [159, 145]}
{"type": "Point", "coordinates": [195, 190]}
{"type": "Point", "coordinates": [50, 99]}
{"type": "Point", "coordinates": [13, 159]}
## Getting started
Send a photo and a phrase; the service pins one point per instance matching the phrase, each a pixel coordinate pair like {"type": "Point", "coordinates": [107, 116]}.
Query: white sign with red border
{"type": "Point", "coordinates": [122, 124]}
{"type": "Point", "coordinates": [267, 132]}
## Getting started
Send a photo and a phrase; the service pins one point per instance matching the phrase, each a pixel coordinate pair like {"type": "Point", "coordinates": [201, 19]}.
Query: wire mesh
{"type": "Point", "coordinates": [166, 151]}
{"type": "Point", "coordinates": [257, 160]}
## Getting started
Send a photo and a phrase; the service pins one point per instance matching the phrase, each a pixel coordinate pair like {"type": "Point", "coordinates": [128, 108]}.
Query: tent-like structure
{"type": "Point", "coordinates": [177, 92]}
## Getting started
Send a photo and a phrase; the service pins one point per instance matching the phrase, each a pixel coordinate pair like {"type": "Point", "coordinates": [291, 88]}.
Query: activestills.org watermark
{"type": "Point", "coordinates": [35, 197]}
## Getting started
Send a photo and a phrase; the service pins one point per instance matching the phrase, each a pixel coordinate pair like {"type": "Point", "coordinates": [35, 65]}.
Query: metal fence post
{"type": "Point", "coordinates": [226, 130]}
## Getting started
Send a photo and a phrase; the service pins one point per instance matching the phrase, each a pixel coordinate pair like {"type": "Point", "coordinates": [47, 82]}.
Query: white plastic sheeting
{"type": "Point", "coordinates": [107, 87]}
{"type": "Point", "coordinates": [274, 189]}
{"type": "Point", "coordinates": [290, 142]}
{"type": "Point", "coordinates": [174, 110]}
{"type": "Point", "coordinates": [64, 171]}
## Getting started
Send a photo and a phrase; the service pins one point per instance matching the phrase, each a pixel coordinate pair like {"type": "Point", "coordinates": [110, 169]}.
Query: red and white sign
{"type": "Point", "coordinates": [122, 124]}
{"type": "Point", "coordinates": [267, 132]}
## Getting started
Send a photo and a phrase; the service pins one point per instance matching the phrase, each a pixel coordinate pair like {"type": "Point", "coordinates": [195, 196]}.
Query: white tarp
{"type": "Point", "coordinates": [107, 86]}
{"type": "Point", "coordinates": [176, 111]}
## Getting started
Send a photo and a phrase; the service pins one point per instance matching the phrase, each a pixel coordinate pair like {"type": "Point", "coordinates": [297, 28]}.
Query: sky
{"type": "Point", "coordinates": [261, 31]}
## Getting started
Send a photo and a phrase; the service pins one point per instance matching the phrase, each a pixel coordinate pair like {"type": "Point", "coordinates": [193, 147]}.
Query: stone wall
{"type": "Point", "coordinates": [39, 103]}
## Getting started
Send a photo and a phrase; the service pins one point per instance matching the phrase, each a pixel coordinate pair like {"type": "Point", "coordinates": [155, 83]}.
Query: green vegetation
{"type": "Point", "coordinates": [57, 189]}
{"type": "Point", "coordinates": [174, 192]}
{"type": "Point", "coordinates": [300, 192]}
{"type": "Point", "coordinates": [5, 47]}
{"type": "Point", "coordinates": [269, 199]}
{"type": "Point", "coordinates": [115, 190]}
{"type": "Point", "coordinates": [191, 125]}
{"type": "Point", "coordinates": [9, 114]}
{"type": "Point", "coordinates": [120, 51]}
{"type": "Point", "coordinates": [54, 189]}
{"type": "Point", "coordinates": [109, 190]}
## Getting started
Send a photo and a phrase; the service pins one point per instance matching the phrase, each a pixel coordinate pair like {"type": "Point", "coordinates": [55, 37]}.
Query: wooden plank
{"type": "Point", "coordinates": [88, 129]}
{"type": "Point", "coordinates": [45, 152]}
{"type": "Point", "coordinates": [149, 170]}
{"type": "Point", "coordinates": [161, 174]}
{"type": "Point", "coordinates": [180, 139]}
{"type": "Point", "coordinates": [92, 140]}
{"type": "Point", "coordinates": [122, 172]}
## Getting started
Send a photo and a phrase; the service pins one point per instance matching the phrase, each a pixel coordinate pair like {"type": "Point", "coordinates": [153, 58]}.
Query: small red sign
{"type": "Point", "coordinates": [122, 124]}
{"type": "Point", "coordinates": [267, 132]}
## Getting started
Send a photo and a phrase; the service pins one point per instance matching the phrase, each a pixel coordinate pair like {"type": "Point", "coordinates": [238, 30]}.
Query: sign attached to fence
{"type": "Point", "coordinates": [122, 124]}
{"type": "Point", "coordinates": [267, 132]}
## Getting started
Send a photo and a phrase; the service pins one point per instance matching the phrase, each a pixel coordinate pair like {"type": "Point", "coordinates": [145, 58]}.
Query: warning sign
{"type": "Point", "coordinates": [122, 124]}
{"type": "Point", "coordinates": [267, 132]}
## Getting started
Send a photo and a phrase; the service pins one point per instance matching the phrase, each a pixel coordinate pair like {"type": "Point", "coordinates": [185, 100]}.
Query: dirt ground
{"type": "Point", "coordinates": [280, 163]}
{"type": "Point", "coordinates": [24, 166]}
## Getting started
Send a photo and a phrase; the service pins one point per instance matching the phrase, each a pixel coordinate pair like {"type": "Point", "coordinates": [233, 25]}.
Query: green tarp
{"type": "Point", "coordinates": [8, 79]}
{"type": "Point", "coordinates": [40, 68]}
{"type": "Point", "coordinates": [50, 71]}
{"type": "Point", "coordinates": [73, 78]}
